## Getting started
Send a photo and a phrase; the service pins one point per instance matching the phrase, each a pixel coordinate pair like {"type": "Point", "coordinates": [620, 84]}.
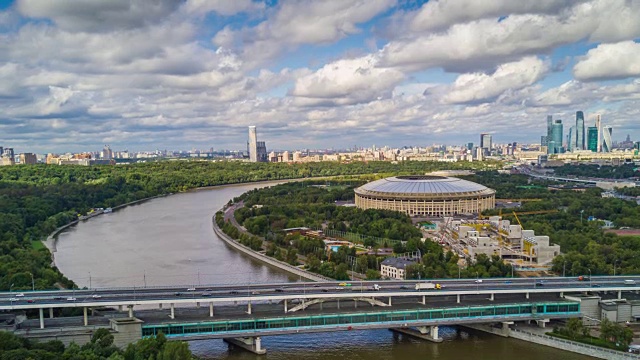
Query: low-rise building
{"type": "Point", "coordinates": [395, 268]}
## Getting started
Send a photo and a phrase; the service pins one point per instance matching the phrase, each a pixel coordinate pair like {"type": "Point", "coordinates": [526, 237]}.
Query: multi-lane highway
{"type": "Point", "coordinates": [309, 290]}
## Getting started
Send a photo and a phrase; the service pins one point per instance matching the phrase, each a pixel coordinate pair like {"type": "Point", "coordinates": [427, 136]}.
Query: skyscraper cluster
{"type": "Point", "coordinates": [257, 149]}
{"type": "Point", "coordinates": [596, 138]}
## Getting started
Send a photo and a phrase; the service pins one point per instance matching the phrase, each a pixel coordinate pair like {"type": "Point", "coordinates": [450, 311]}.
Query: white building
{"type": "Point", "coordinates": [394, 268]}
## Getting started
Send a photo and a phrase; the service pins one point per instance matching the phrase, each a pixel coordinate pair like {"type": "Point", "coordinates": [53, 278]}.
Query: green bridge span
{"type": "Point", "coordinates": [361, 320]}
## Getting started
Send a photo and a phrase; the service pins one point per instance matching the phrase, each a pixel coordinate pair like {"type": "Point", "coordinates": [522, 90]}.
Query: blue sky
{"type": "Point", "coordinates": [171, 74]}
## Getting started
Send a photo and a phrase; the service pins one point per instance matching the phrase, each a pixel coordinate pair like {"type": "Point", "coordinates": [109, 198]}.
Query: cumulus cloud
{"type": "Point", "coordinates": [484, 43]}
{"type": "Point", "coordinates": [347, 81]}
{"type": "Point", "coordinates": [222, 7]}
{"type": "Point", "coordinates": [440, 14]}
{"type": "Point", "coordinates": [89, 15]}
{"type": "Point", "coordinates": [482, 87]}
{"type": "Point", "coordinates": [609, 61]}
{"type": "Point", "coordinates": [301, 22]}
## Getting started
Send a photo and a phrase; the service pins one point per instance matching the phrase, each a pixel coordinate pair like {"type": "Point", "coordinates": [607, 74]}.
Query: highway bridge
{"type": "Point", "coordinates": [243, 313]}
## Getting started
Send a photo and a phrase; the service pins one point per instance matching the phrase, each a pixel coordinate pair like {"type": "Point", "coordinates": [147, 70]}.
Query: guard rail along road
{"type": "Point", "coordinates": [266, 259]}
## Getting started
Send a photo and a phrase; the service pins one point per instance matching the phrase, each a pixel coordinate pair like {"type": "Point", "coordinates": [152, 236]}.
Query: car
{"type": "Point", "coordinates": [58, 298]}
{"type": "Point", "coordinates": [14, 299]}
{"type": "Point", "coordinates": [208, 290]}
{"type": "Point", "coordinates": [279, 290]}
{"type": "Point", "coordinates": [255, 293]}
{"type": "Point", "coordinates": [316, 285]}
{"type": "Point", "coordinates": [508, 282]}
{"type": "Point", "coordinates": [178, 294]}
{"type": "Point", "coordinates": [233, 292]}
{"type": "Point", "coordinates": [71, 298]}
{"type": "Point", "coordinates": [206, 294]}
{"type": "Point", "coordinates": [96, 296]}
{"type": "Point", "coordinates": [404, 287]}
{"type": "Point", "coordinates": [595, 285]}
{"type": "Point", "coordinates": [325, 290]}
{"type": "Point", "coordinates": [191, 289]}
{"type": "Point", "coordinates": [20, 295]}
{"type": "Point", "coordinates": [540, 283]}
{"type": "Point", "coordinates": [479, 281]}
{"type": "Point", "coordinates": [344, 284]}
{"type": "Point", "coordinates": [31, 301]}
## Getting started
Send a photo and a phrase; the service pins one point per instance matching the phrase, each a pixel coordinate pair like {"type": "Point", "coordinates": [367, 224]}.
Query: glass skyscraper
{"type": "Point", "coordinates": [556, 138]}
{"type": "Point", "coordinates": [607, 143]}
{"type": "Point", "coordinates": [580, 141]}
{"type": "Point", "coordinates": [592, 138]}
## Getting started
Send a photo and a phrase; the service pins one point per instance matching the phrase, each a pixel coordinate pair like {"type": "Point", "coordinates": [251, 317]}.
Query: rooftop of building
{"type": "Point", "coordinates": [397, 263]}
{"type": "Point", "coordinates": [423, 184]}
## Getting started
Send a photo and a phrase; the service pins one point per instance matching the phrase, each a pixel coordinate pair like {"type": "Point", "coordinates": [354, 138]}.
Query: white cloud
{"type": "Point", "coordinates": [301, 22]}
{"type": "Point", "coordinates": [347, 81]}
{"type": "Point", "coordinates": [482, 87]}
{"type": "Point", "coordinates": [90, 15]}
{"type": "Point", "coordinates": [440, 14]}
{"type": "Point", "coordinates": [222, 7]}
{"type": "Point", "coordinates": [484, 43]}
{"type": "Point", "coordinates": [609, 61]}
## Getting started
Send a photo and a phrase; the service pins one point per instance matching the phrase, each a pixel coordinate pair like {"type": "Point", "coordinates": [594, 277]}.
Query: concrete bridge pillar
{"type": "Point", "coordinates": [160, 306]}
{"type": "Point", "coordinates": [355, 303]}
{"type": "Point", "coordinates": [85, 317]}
{"type": "Point", "coordinates": [338, 303]}
{"type": "Point", "coordinates": [492, 297]}
{"type": "Point", "coordinates": [423, 330]}
{"type": "Point", "coordinates": [542, 323]}
{"type": "Point", "coordinates": [458, 298]}
{"type": "Point", "coordinates": [424, 300]}
{"type": "Point", "coordinates": [210, 309]}
{"type": "Point", "coordinates": [251, 344]}
{"type": "Point", "coordinates": [173, 311]}
{"type": "Point", "coordinates": [50, 313]}
{"type": "Point", "coordinates": [389, 300]}
{"type": "Point", "coordinates": [130, 311]}
{"type": "Point", "coordinates": [561, 294]}
{"type": "Point", "coordinates": [41, 311]}
{"type": "Point", "coordinates": [434, 332]}
{"type": "Point", "coordinates": [527, 295]}
{"type": "Point", "coordinates": [619, 294]}
{"type": "Point", "coordinates": [285, 306]}
{"type": "Point", "coordinates": [119, 307]}
{"type": "Point", "coordinates": [249, 308]}
{"type": "Point", "coordinates": [197, 305]}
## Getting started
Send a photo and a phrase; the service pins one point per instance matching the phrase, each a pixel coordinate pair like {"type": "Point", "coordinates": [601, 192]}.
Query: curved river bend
{"type": "Point", "coordinates": [169, 240]}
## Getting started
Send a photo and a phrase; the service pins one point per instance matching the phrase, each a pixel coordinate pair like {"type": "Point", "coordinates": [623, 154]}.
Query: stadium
{"type": "Point", "coordinates": [425, 195]}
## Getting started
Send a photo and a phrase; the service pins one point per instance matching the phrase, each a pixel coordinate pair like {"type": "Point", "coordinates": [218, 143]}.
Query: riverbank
{"type": "Point", "coordinates": [264, 258]}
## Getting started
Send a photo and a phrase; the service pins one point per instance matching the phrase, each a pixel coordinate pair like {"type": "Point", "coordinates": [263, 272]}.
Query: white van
{"type": "Point", "coordinates": [629, 282]}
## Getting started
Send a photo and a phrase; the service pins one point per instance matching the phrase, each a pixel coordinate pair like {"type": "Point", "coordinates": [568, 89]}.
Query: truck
{"type": "Point", "coordinates": [428, 286]}
{"type": "Point", "coordinates": [376, 287]}
{"type": "Point", "coordinates": [583, 278]}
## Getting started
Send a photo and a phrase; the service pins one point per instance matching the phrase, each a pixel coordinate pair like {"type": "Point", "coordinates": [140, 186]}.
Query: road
{"type": "Point", "coordinates": [309, 290]}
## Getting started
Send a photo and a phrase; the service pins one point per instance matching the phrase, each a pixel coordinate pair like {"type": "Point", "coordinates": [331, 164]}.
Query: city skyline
{"type": "Point", "coordinates": [311, 74]}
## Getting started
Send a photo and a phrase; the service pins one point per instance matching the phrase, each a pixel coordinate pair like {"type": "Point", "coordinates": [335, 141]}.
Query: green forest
{"type": "Point", "coordinates": [36, 199]}
{"type": "Point", "coordinates": [312, 204]}
{"type": "Point", "coordinates": [101, 347]}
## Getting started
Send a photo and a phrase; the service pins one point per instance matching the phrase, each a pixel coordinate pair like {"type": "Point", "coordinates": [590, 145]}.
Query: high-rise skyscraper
{"type": "Point", "coordinates": [572, 139]}
{"type": "Point", "coordinates": [253, 144]}
{"type": "Point", "coordinates": [485, 143]}
{"type": "Point", "coordinates": [549, 128]}
{"type": "Point", "coordinates": [580, 143]}
{"type": "Point", "coordinates": [556, 138]}
{"type": "Point", "coordinates": [592, 138]}
{"type": "Point", "coordinates": [599, 127]}
{"type": "Point", "coordinates": [606, 139]}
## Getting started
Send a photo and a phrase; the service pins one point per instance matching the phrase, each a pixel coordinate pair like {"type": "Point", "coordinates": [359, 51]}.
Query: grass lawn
{"type": "Point", "coordinates": [37, 245]}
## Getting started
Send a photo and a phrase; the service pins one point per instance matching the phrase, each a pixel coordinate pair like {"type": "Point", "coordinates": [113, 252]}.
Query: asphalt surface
{"type": "Point", "coordinates": [309, 290]}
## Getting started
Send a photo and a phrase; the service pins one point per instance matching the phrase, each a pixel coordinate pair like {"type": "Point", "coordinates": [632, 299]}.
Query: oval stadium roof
{"type": "Point", "coordinates": [422, 184]}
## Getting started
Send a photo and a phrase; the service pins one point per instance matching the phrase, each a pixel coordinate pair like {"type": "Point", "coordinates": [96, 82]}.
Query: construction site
{"type": "Point", "coordinates": [495, 235]}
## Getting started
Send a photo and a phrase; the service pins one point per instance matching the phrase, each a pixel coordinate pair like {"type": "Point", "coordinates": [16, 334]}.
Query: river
{"type": "Point", "coordinates": [169, 240]}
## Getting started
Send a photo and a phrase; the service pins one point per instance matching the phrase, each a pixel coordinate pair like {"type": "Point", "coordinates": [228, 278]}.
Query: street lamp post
{"type": "Point", "coordinates": [33, 283]}
{"type": "Point", "coordinates": [477, 282]}
{"type": "Point", "coordinates": [564, 263]}
{"type": "Point", "coordinates": [589, 277]}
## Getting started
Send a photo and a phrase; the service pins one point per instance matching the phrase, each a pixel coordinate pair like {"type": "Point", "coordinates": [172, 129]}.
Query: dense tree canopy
{"type": "Point", "coordinates": [36, 199]}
